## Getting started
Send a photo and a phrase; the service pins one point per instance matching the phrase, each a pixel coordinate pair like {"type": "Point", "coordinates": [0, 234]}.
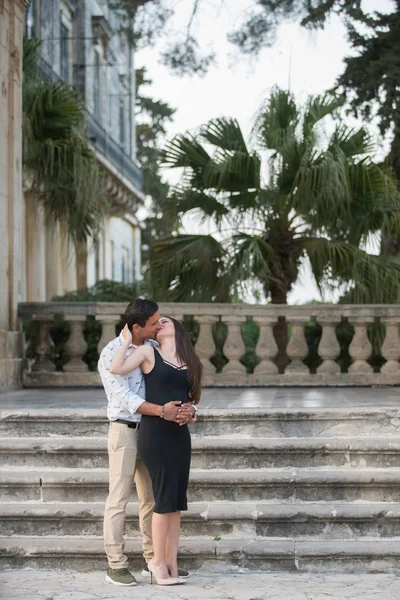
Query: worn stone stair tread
{"type": "Point", "coordinates": [316, 475]}
{"type": "Point", "coordinates": [202, 443]}
{"type": "Point", "coordinates": [30, 545]}
{"type": "Point", "coordinates": [214, 510]}
{"type": "Point", "coordinates": [239, 423]}
{"type": "Point", "coordinates": [99, 413]}
{"type": "Point", "coordinates": [98, 416]}
{"type": "Point", "coordinates": [248, 474]}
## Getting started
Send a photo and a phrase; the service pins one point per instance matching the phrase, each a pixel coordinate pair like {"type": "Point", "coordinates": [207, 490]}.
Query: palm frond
{"type": "Point", "coordinates": [322, 189]}
{"type": "Point", "coordinates": [251, 256]}
{"type": "Point", "coordinates": [189, 267]}
{"type": "Point", "coordinates": [277, 120]}
{"type": "Point", "coordinates": [184, 151]}
{"type": "Point", "coordinates": [352, 142]}
{"type": "Point", "coordinates": [183, 200]}
{"type": "Point", "coordinates": [372, 278]}
{"type": "Point", "coordinates": [225, 133]}
{"type": "Point", "coordinates": [317, 108]}
{"type": "Point", "coordinates": [234, 172]}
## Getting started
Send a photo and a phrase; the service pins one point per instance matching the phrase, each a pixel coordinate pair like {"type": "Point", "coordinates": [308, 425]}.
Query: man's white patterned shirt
{"type": "Point", "coordinates": [125, 393]}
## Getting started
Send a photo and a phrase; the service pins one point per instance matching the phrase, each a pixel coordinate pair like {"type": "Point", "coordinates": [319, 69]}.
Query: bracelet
{"type": "Point", "coordinates": [162, 412]}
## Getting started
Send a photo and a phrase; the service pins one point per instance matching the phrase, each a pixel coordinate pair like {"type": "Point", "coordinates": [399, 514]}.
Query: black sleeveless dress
{"type": "Point", "coordinates": [164, 446]}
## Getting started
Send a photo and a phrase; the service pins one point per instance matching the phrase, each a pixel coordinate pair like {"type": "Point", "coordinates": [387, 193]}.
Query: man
{"type": "Point", "coordinates": [126, 402]}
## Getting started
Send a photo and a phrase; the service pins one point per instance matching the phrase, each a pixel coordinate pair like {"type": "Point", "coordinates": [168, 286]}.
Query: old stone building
{"type": "Point", "coordinates": [83, 43]}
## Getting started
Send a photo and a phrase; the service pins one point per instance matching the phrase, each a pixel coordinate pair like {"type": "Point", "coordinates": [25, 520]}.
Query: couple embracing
{"type": "Point", "coordinates": [152, 379]}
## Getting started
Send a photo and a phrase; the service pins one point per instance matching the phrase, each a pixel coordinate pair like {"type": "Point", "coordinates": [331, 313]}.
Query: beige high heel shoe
{"type": "Point", "coordinates": [160, 580]}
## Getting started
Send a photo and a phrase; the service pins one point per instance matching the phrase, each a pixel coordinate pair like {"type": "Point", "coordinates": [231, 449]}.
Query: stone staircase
{"type": "Point", "coordinates": [287, 489]}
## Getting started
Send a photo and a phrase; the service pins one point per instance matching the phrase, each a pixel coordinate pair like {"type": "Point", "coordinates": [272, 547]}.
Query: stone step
{"type": "Point", "coordinates": [312, 485]}
{"type": "Point", "coordinates": [212, 452]}
{"type": "Point", "coordinates": [239, 520]}
{"type": "Point", "coordinates": [270, 422]}
{"type": "Point", "coordinates": [87, 553]}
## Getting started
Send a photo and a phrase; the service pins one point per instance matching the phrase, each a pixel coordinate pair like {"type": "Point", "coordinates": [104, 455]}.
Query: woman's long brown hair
{"type": "Point", "coordinates": [187, 356]}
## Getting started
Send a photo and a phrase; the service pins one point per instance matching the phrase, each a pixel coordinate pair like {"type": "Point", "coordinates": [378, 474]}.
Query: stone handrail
{"type": "Point", "coordinates": [292, 318]}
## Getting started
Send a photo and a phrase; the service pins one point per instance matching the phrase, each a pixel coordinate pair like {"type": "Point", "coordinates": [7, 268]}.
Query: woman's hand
{"type": "Point", "coordinates": [127, 335]}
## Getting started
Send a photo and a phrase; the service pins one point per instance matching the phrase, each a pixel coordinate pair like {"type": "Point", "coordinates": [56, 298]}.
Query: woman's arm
{"type": "Point", "coordinates": [120, 366]}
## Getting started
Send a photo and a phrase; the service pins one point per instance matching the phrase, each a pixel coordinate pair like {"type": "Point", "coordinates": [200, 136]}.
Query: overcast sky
{"type": "Point", "coordinates": [236, 86]}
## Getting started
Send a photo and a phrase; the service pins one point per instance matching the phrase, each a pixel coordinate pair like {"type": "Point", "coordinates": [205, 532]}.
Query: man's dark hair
{"type": "Point", "coordinates": [139, 311]}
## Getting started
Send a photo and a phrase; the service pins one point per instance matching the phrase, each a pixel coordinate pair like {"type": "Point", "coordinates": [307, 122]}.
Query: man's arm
{"type": "Point", "coordinates": [171, 411]}
{"type": "Point", "coordinates": [116, 385]}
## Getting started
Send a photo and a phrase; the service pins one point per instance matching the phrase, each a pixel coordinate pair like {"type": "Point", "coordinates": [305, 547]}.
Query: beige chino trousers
{"type": "Point", "coordinates": [124, 468]}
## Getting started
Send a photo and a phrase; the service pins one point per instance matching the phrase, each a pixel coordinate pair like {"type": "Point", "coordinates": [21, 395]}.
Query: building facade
{"type": "Point", "coordinates": [12, 240]}
{"type": "Point", "coordinates": [83, 42]}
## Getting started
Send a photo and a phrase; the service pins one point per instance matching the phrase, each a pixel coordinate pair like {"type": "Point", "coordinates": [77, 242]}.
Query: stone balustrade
{"type": "Point", "coordinates": [204, 318]}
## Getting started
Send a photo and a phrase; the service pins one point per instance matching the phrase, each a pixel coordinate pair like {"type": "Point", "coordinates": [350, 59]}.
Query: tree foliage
{"type": "Point", "coordinates": [151, 119]}
{"type": "Point", "coordinates": [146, 22]}
{"type": "Point", "coordinates": [371, 75]}
{"type": "Point", "coordinates": [324, 198]}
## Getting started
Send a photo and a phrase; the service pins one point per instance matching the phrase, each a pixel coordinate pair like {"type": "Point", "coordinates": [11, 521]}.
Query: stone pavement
{"type": "Point", "coordinates": [68, 585]}
{"type": "Point", "coordinates": [218, 398]}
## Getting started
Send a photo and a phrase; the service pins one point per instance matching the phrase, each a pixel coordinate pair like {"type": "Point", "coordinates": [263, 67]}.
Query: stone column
{"type": "Point", "coordinates": [391, 347]}
{"type": "Point", "coordinates": [108, 323]}
{"type": "Point", "coordinates": [35, 262]}
{"type": "Point", "coordinates": [12, 254]}
{"type": "Point", "coordinates": [329, 347]}
{"type": "Point", "coordinates": [266, 349]}
{"type": "Point", "coordinates": [205, 346]}
{"type": "Point", "coordinates": [53, 261]}
{"type": "Point", "coordinates": [297, 348]}
{"type": "Point", "coordinates": [234, 372]}
{"type": "Point", "coordinates": [360, 348]}
{"type": "Point", "coordinates": [68, 261]}
{"type": "Point", "coordinates": [44, 347]}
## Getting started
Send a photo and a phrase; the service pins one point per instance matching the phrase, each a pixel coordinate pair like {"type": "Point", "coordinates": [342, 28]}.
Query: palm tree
{"type": "Point", "coordinates": [56, 153]}
{"type": "Point", "coordinates": [323, 198]}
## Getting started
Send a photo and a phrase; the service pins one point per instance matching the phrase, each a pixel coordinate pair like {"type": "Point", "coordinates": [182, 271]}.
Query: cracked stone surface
{"type": "Point", "coordinates": [223, 398]}
{"type": "Point", "coordinates": [69, 585]}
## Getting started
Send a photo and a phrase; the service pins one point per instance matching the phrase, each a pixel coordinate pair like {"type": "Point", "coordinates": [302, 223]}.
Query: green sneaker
{"type": "Point", "coordinates": [182, 574]}
{"type": "Point", "coordinates": [120, 577]}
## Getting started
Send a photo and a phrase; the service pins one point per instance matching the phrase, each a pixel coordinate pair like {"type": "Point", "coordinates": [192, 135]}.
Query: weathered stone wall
{"type": "Point", "coordinates": [12, 282]}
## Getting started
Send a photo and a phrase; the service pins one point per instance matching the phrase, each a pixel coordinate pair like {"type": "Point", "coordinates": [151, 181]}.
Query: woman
{"type": "Point", "coordinates": [171, 372]}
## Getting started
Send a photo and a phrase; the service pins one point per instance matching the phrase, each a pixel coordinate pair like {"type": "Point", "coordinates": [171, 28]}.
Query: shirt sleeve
{"type": "Point", "coordinates": [116, 386]}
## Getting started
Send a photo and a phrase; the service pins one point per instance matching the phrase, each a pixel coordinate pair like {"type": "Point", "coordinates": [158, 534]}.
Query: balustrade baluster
{"type": "Point", "coordinates": [329, 347]}
{"type": "Point", "coordinates": [391, 346]}
{"type": "Point", "coordinates": [108, 323]}
{"type": "Point", "coordinates": [234, 372]}
{"type": "Point", "coordinates": [360, 348]}
{"type": "Point", "coordinates": [266, 349]}
{"type": "Point", "coordinates": [76, 345]}
{"type": "Point", "coordinates": [297, 348]}
{"type": "Point", "coordinates": [44, 346]}
{"type": "Point", "coordinates": [205, 346]}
